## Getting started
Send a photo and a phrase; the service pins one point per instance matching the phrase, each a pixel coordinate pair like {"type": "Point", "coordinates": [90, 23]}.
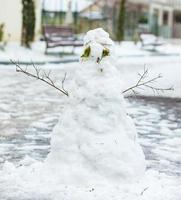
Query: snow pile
{"type": "Point", "coordinates": [98, 36]}
{"type": "Point", "coordinates": [95, 135]}
{"type": "Point", "coordinates": [94, 150]}
{"type": "Point", "coordinates": [151, 40]}
{"type": "Point", "coordinates": [97, 45]}
{"type": "Point", "coordinates": [30, 183]}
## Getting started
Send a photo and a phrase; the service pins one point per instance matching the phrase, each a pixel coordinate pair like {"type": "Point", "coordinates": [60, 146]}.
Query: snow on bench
{"type": "Point", "coordinates": [148, 39]}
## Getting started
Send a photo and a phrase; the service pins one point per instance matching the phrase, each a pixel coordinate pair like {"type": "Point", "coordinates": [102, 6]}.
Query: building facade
{"type": "Point", "coordinates": [166, 15]}
{"type": "Point", "coordinates": [161, 17]}
{"type": "Point", "coordinates": [11, 17]}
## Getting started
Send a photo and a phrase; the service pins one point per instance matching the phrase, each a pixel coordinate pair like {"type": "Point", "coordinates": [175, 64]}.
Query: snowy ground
{"type": "Point", "coordinates": [28, 117]}
{"type": "Point", "coordinates": [167, 66]}
{"type": "Point", "coordinates": [36, 54]}
{"type": "Point", "coordinates": [59, 54]}
{"type": "Point", "coordinates": [29, 110]}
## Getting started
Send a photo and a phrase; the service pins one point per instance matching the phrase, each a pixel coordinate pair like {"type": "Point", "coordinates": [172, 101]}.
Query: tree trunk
{"type": "Point", "coordinates": [121, 21]}
{"type": "Point", "coordinates": [28, 22]}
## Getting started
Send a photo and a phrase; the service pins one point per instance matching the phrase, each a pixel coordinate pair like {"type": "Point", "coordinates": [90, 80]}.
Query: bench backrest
{"type": "Point", "coordinates": [57, 31]}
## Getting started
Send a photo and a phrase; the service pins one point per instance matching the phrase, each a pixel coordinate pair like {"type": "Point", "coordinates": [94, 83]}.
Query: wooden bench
{"type": "Point", "coordinates": [56, 36]}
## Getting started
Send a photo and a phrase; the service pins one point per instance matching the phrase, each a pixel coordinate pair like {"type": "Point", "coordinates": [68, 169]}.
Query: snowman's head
{"type": "Point", "coordinates": [97, 45]}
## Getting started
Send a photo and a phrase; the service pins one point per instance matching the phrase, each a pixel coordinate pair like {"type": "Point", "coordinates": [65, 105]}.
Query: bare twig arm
{"type": "Point", "coordinates": [141, 83]}
{"type": "Point", "coordinates": [44, 77]}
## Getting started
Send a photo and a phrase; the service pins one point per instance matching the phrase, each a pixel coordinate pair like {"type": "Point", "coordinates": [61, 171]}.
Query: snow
{"type": "Point", "coordinates": [92, 144]}
{"type": "Point", "coordinates": [90, 159]}
{"type": "Point", "coordinates": [16, 52]}
{"type": "Point", "coordinates": [129, 49]}
{"type": "Point", "coordinates": [150, 39]}
{"type": "Point", "coordinates": [95, 135]}
{"type": "Point", "coordinates": [98, 40]}
{"type": "Point", "coordinates": [124, 52]}
{"type": "Point", "coordinates": [93, 15]}
{"type": "Point", "coordinates": [155, 186]}
{"type": "Point", "coordinates": [98, 36]}
{"type": "Point", "coordinates": [38, 182]}
{"type": "Point", "coordinates": [167, 66]}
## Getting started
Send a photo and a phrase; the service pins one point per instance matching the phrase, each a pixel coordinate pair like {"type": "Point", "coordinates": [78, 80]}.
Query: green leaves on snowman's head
{"type": "Point", "coordinates": [87, 53]}
{"type": "Point", "coordinates": [105, 52]}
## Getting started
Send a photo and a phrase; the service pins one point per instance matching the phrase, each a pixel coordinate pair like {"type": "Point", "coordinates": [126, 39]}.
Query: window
{"type": "Point", "coordinates": [165, 18]}
{"type": "Point", "coordinates": [177, 17]}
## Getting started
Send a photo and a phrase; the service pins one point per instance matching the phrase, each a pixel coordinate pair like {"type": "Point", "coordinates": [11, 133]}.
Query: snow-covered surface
{"type": "Point", "coordinates": [125, 49]}
{"type": "Point", "coordinates": [87, 163]}
{"type": "Point", "coordinates": [98, 36]}
{"type": "Point", "coordinates": [95, 136]}
{"type": "Point", "coordinates": [150, 39]}
{"type": "Point", "coordinates": [167, 66]}
{"type": "Point", "coordinates": [97, 40]}
{"type": "Point", "coordinates": [33, 113]}
{"type": "Point", "coordinates": [93, 15]}
{"type": "Point", "coordinates": [36, 54]}
{"type": "Point", "coordinates": [95, 143]}
{"type": "Point", "coordinates": [129, 49]}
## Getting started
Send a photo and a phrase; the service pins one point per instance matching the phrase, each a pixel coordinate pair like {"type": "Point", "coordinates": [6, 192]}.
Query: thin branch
{"type": "Point", "coordinates": [142, 82]}
{"type": "Point", "coordinates": [65, 76]}
{"type": "Point", "coordinates": [42, 76]}
{"type": "Point", "coordinates": [145, 189]}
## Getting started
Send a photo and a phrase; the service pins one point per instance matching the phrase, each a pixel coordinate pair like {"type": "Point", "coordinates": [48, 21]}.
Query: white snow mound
{"type": "Point", "coordinates": [94, 150]}
{"type": "Point", "coordinates": [97, 36]}
{"type": "Point", "coordinates": [96, 136]}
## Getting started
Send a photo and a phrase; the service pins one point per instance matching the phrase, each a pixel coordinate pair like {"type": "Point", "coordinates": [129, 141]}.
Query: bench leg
{"type": "Point", "coordinates": [73, 50]}
{"type": "Point", "coordinates": [154, 47]}
{"type": "Point", "coordinates": [46, 51]}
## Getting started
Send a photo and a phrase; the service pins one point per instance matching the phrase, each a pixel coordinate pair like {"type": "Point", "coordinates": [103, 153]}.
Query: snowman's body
{"type": "Point", "coordinates": [95, 141]}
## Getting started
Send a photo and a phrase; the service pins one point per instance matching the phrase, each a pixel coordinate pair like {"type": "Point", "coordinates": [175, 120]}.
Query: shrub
{"type": "Point", "coordinates": [1, 32]}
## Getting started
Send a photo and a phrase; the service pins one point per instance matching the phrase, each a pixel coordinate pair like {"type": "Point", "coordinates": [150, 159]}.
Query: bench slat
{"type": "Point", "coordinates": [60, 36]}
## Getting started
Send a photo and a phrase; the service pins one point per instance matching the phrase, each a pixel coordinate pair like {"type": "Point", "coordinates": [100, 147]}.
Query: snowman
{"type": "Point", "coordinates": [96, 141]}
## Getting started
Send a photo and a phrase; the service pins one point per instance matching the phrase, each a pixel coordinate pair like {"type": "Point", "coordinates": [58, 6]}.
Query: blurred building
{"type": "Point", "coordinates": [166, 16]}
{"type": "Point", "coordinates": [161, 17]}
{"type": "Point", "coordinates": [101, 13]}
{"type": "Point", "coordinates": [11, 17]}
{"type": "Point", "coordinates": [56, 11]}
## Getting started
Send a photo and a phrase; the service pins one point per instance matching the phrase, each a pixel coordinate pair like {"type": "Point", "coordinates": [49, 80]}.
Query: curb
{"type": "Point", "coordinates": [42, 62]}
